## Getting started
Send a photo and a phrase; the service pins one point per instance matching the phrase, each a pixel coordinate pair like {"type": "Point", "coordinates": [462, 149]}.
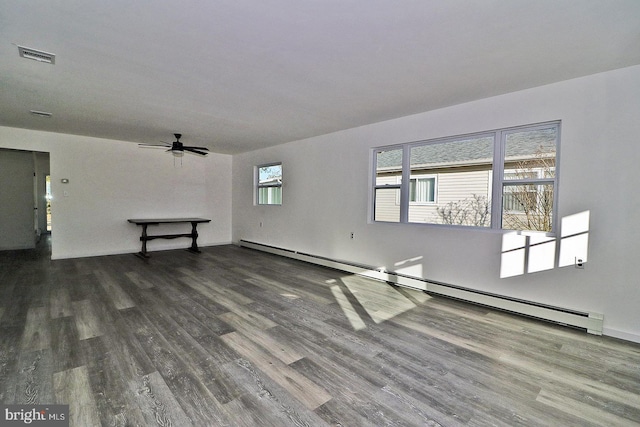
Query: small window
{"type": "Point", "coordinates": [422, 190]}
{"type": "Point", "coordinates": [387, 185]}
{"type": "Point", "coordinates": [269, 184]}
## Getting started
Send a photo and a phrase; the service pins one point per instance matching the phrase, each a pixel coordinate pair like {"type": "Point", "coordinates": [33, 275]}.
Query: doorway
{"type": "Point", "coordinates": [47, 186]}
{"type": "Point", "coordinates": [22, 197]}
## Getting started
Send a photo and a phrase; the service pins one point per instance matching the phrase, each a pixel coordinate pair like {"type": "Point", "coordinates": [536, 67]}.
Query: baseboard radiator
{"type": "Point", "coordinates": [591, 322]}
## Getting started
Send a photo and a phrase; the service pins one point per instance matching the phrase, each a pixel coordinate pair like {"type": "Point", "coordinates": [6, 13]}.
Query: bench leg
{"type": "Point", "coordinates": [194, 238]}
{"type": "Point", "coordinates": [143, 238]}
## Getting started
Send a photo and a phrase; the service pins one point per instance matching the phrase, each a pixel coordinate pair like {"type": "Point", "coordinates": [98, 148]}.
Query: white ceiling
{"type": "Point", "coordinates": [237, 75]}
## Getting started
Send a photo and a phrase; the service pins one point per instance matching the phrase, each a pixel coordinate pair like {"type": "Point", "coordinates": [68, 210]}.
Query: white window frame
{"type": "Point", "coordinates": [496, 175]}
{"type": "Point", "coordinates": [404, 210]}
{"type": "Point", "coordinates": [416, 177]}
{"type": "Point", "coordinates": [499, 183]}
{"type": "Point", "coordinates": [435, 189]}
{"type": "Point", "coordinates": [272, 185]}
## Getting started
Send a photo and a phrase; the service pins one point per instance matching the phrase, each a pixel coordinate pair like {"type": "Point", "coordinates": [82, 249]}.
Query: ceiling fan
{"type": "Point", "coordinates": [178, 148]}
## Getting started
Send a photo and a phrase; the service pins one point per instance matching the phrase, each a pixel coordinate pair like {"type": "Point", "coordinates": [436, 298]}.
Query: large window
{"type": "Point", "coordinates": [504, 179]}
{"type": "Point", "coordinates": [269, 184]}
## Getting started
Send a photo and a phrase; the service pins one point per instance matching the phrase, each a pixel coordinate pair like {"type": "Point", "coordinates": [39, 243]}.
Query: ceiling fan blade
{"type": "Point", "coordinates": [154, 145]}
{"type": "Point", "coordinates": [194, 150]}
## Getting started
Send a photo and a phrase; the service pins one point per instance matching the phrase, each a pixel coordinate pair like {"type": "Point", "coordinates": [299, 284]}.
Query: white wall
{"type": "Point", "coordinates": [110, 181]}
{"type": "Point", "coordinates": [16, 200]}
{"type": "Point", "coordinates": [326, 196]}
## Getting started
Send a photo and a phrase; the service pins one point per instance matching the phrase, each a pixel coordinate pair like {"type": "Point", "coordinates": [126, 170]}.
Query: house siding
{"type": "Point", "coordinates": [451, 187]}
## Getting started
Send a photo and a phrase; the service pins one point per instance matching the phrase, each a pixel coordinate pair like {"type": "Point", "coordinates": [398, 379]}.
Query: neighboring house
{"type": "Point", "coordinates": [451, 181]}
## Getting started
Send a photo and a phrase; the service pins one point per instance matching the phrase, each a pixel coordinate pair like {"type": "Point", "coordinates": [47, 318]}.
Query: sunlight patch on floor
{"type": "Point", "coordinates": [380, 300]}
{"type": "Point", "coordinates": [348, 310]}
{"type": "Point", "coordinates": [417, 295]}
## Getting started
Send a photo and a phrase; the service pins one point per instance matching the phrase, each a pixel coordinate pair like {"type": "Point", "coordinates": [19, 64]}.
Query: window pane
{"type": "Point", "coordinates": [269, 186]}
{"type": "Point", "coordinates": [388, 172]}
{"type": "Point", "coordinates": [270, 196]}
{"type": "Point", "coordinates": [425, 191]}
{"type": "Point", "coordinates": [386, 206]}
{"type": "Point", "coordinates": [412, 190]}
{"type": "Point", "coordinates": [453, 154]}
{"type": "Point", "coordinates": [270, 174]}
{"type": "Point", "coordinates": [474, 211]}
{"type": "Point", "coordinates": [463, 171]}
{"type": "Point", "coordinates": [388, 166]}
{"type": "Point", "coordinates": [527, 207]}
{"type": "Point", "coordinates": [530, 154]}
{"type": "Point", "coordinates": [276, 195]}
{"type": "Point", "coordinates": [422, 190]}
{"type": "Point", "coordinates": [263, 196]}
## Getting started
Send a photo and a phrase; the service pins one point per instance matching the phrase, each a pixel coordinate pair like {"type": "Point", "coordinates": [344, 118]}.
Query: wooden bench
{"type": "Point", "coordinates": [155, 221]}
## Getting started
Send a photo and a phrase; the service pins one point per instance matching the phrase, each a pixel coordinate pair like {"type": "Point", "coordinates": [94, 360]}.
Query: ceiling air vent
{"type": "Point", "coordinates": [40, 113]}
{"type": "Point", "coordinates": [37, 55]}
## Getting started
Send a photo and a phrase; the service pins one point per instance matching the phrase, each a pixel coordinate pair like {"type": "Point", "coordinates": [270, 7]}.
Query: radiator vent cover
{"type": "Point", "coordinates": [37, 55]}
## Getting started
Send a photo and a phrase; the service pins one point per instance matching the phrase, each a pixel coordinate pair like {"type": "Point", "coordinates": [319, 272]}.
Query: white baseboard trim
{"type": "Point", "coordinates": [17, 248]}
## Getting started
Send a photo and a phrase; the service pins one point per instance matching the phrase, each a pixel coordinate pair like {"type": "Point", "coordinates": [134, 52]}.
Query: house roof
{"type": "Point", "coordinates": [241, 75]}
{"type": "Point", "coordinates": [470, 150]}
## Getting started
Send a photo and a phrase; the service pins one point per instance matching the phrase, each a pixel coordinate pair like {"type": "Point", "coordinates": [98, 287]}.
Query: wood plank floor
{"type": "Point", "coordinates": [236, 337]}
